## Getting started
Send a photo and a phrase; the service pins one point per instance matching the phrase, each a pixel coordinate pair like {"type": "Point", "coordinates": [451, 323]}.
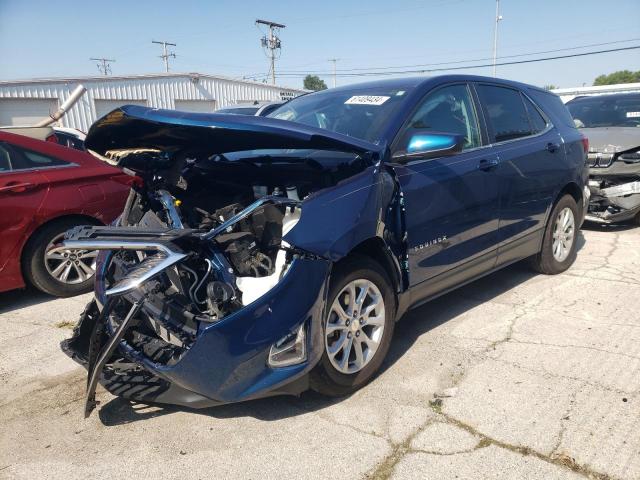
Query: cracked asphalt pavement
{"type": "Point", "coordinates": [517, 375]}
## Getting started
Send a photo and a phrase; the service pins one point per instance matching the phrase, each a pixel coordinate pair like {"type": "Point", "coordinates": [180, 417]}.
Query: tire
{"type": "Point", "coordinates": [35, 266]}
{"type": "Point", "coordinates": [326, 378]}
{"type": "Point", "coordinates": [548, 262]}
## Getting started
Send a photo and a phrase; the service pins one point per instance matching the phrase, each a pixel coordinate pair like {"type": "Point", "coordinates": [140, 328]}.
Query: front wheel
{"type": "Point", "coordinates": [559, 245]}
{"type": "Point", "coordinates": [357, 328]}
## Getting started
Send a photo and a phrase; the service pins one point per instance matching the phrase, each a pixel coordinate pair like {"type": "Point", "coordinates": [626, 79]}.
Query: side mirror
{"type": "Point", "coordinates": [424, 145]}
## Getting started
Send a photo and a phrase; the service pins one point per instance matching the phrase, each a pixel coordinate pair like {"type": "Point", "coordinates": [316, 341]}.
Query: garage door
{"type": "Point", "coordinates": [204, 106]}
{"type": "Point", "coordinates": [26, 111]}
{"type": "Point", "coordinates": [105, 106]}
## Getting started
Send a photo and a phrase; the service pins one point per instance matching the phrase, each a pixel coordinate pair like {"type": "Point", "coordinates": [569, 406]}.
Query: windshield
{"type": "Point", "coordinates": [361, 113]}
{"type": "Point", "coordinates": [606, 111]}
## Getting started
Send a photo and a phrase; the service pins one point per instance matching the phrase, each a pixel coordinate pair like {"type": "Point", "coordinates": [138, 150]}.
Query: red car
{"type": "Point", "coordinates": [45, 189]}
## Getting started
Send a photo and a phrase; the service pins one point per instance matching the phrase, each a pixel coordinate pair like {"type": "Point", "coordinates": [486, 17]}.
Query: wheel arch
{"type": "Point", "coordinates": [376, 249]}
{"type": "Point", "coordinates": [572, 189]}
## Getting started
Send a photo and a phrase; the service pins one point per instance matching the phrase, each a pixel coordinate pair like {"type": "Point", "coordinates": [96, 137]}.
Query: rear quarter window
{"type": "Point", "coordinates": [23, 159]}
{"type": "Point", "coordinates": [552, 106]}
{"type": "Point", "coordinates": [538, 122]}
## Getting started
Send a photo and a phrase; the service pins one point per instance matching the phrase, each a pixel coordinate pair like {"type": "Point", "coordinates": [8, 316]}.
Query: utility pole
{"type": "Point", "coordinates": [165, 55]}
{"type": "Point", "coordinates": [334, 60]}
{"type": "Point", "coordinates": [495, 36]}
{"type": "Point", "coordinates": [272, 43]}
{"type": "Point", "coordinates": [103, 64]}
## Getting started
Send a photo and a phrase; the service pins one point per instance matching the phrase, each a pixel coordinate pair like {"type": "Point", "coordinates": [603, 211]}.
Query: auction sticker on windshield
{"type": "Point", "coordinates": [367, 100]}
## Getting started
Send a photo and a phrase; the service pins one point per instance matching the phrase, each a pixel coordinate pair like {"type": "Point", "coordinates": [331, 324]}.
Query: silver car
{"type": "Point", "coordinates": [612, 125]}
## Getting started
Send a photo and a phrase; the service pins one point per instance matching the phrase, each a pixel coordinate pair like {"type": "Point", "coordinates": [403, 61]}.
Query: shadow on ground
{"type": "Point", "coordinates": [16, 299]}
{"type": "Point", "coordinates": [413, 325]}
{"type": "Point", "coordinates": [613, 227]}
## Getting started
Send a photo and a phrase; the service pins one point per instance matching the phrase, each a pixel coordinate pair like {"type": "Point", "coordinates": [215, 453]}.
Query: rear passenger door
{"type": "Point", "coordinates": [529, 151]}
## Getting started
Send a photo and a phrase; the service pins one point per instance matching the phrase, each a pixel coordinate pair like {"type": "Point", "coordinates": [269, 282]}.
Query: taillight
{"type": "Point", "coordinates": [128, 180]}
{"type": "Point", "coordinates": [52, 138]}
{"type": "Point", "coordinates": [585, 144]}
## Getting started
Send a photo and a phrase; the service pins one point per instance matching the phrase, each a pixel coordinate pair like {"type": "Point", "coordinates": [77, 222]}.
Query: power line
{"type": "Point", "coordinates": [165, 55]}
{"type": "Point", "coordinates": [271, 42]}
{"type": "Point", "coordinates": [466, 67]}
{"type": "Point", "coordinates": [103, 64]}
{"type": "Point", "coordinates": [367, 69]}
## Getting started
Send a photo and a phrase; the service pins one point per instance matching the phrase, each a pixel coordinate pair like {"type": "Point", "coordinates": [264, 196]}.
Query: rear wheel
{"type": "Point", "coordinates": [54, 269]}
{"type": "Point", "coordinates": [559, 245]}
{"type": "Point", "coordinates": [357, 327]}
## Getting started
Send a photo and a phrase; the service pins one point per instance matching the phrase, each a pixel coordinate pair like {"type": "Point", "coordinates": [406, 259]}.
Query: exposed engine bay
{"type": "Point", "coordinates": [243, 204]}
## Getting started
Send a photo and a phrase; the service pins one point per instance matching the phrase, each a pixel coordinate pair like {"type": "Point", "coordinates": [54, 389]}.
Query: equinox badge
{"type": "Point", "coordinates": [440, 240]}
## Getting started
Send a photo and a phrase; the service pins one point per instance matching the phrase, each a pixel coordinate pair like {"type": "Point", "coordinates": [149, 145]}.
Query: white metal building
{"type": "Point", "coordinates": [25, 102]}
{"type": "Point", "coordinates": [567, 94]}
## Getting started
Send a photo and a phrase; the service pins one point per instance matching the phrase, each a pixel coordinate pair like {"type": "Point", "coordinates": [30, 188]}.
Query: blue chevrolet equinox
{"type": "Point", "coordinates": [263, 256]}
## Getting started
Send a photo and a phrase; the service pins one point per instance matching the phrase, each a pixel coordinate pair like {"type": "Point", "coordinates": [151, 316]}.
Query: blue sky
{"type": "Point", "coordinates": [56, 38]}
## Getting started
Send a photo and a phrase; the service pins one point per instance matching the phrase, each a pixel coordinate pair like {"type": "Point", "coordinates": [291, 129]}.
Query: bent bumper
{"type": "Point", "coordinates": [615, 192]}
{"type": "Point", "coordinates": [616, 203]}
{"type": "Point", "coordinates": [228, 360]}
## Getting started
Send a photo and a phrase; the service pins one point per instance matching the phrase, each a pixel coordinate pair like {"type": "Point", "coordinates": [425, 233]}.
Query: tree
{"type": "Point", "coordinates": [550, 87]}
{"type": "Point", "coordinates": [621, 76]}
{"type": "Point", "coordinates": [314, 82]}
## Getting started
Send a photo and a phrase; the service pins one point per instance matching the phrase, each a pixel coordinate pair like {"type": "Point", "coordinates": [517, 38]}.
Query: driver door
{"type": "Point", "coordinates": [452, 202]}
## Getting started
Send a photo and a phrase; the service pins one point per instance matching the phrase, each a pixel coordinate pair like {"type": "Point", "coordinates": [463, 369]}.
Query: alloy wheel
{"type": "Point", "coordinates": [563, 234]}
{"type": "Point", "coordinates": [69, 266]}
{"type": "Point", "coordinates": [355, 326]}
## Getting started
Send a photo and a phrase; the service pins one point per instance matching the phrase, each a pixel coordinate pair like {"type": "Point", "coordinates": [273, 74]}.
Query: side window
{"type": "Point", "coordinates": [5, 159]}
{"type": "Point", "coordinates": [449, 110]}
{"type": "Point", "coordinates": [22, 159]}
{"type": "Point", "coordinates": [538, 123]}
{"type": "Point", "coordinates": [507, 115]}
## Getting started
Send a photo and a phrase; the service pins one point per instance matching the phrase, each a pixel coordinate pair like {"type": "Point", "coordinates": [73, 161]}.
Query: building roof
{"type": "Point", "coordinates": [110, 78]}
{"type": "Point", "coordinates": [620, 87]}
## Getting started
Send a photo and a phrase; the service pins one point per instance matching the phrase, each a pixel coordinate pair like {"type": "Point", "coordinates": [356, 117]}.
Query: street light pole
{"type": "Point", "coordinates": [334, 60]}
{"type": "Point", "coordinates": [495, 36]}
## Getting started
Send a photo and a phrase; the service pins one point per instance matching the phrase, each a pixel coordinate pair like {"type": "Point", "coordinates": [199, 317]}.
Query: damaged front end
{"type": "Point", "coordinates": [614, 181]}
{"type": "Point", "coordinates": [202, 294]}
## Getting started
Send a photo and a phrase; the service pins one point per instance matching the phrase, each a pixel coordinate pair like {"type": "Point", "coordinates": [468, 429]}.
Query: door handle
{"type": "Point", "coordinates": [485, 164]}
{"type": "Point", "coordinates": [16, 187]}
{"type": "Point", "coordinates": [553, 147]}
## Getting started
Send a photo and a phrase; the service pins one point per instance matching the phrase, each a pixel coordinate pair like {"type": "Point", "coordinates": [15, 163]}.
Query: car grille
{"type": "Point", "coordinates": [601, 160]}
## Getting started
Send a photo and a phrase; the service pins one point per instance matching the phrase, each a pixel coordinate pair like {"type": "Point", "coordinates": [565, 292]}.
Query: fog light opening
{"type": "Point", "coordinates": [289, 350]}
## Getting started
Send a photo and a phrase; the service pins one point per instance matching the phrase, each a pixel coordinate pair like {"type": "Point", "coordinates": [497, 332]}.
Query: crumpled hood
{"type": "Point", "coordinates": [612, 139]}
{"type": "Point", "coordinates": [136, 127]}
